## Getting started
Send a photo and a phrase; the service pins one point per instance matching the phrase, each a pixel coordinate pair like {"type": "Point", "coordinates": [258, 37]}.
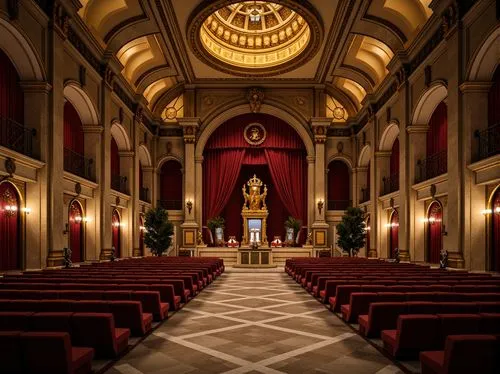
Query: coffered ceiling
{"type": "Point", "coordinates": [344, 45]}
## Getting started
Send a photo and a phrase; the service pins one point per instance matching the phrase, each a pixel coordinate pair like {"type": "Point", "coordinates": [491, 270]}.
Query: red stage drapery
{"type": "Point", "coordinates": [73, 130]}
{"type": "Point", "coordinates": [280, 160]}
{"type": "Point", "coordinates": [116, 237]}
{"type": "Point", "coordinates": [339, 186]}
{"type": "Point", "coordinates": [9, 229]}
{"type": "Point", "coordinates": [394, 233]}
{"type": "Point", "coordinates": [435, 238]}
{"type": "Point", "coordinates": [437, 136]}
{"type": "Point", "coordinates": [494, 100]}
{"type": "Point", "coordinates": [11, 94]}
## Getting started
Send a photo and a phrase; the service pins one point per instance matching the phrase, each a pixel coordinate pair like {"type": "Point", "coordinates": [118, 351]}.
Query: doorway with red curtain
{"type": "Point", "coordinates": [116, 233]}
{"type": "Point", "coordinates": [171, 185]}
{"type": "Point", "coordinates": [76, 231]}
{"type": "Point", "coordinates": [141, 235]}
{"type": "Point", "coordinates": [495, 242]}
{"type": "Point", "coordinates": [368, 229]}
{"type": "Point", "coordinates": [394, 233]}
{"type": "Point", "coordinates": [339, 185]}
{"type": "Point", "coordinates": [10, 227]}
{"type": "Point", "coordinates": [434, 232]}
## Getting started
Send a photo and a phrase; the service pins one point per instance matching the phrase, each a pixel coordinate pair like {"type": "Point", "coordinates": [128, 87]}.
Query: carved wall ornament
{"type": "Point", "coordinates": [391, 203]}
{"type": "Point", "coordinates": [117, 200]}
{"type": "Point", "coordinates": [170, 113]}
{"type": "Point", "coordinates": [255, 97]}
{"type": "Point", "coordinates": [433, 190]}
{"type": "Point", "coordinates": [10, 166]}
{"type": "Point", "coordinates": [208, 100]}
{"type": "Point", "coordinates": [449, 18]}
{"type": "Point", "coordinates": [169, 147]}
{"type": "Point", "coordinates": [340, 147]}
{"type": "Point", "coordinates": [60, 19]}
{"type": "Point", "coordinates": [108, 75]}
{"type": "Point", "coordinates": [139, 113]}
{"type": "Point", "coordinates": [254, 134]}
{"type": "Point", "coordinates": [300, 100]}
{"type": "Point", "coordinates": [189, 134]}
{"type": "Point", "coordinates": [78, 188]}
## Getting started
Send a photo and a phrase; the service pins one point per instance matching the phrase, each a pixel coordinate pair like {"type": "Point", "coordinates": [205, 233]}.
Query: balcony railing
{"type": "Point", "coordinates": [119, 183]}
{"type": "Point", "coordinates": [339, 204]}
{"type": "Point", "coordinates": [432, 166]}
{"type": "Point", "coordinates": [365, 195]}
{"type": "Point", "coordinates": [391, 184]}
{"type": "Point", "coordinates": [78, 164]}
{"type": "Point", "coordinates": [488, 142]}
{"type": "Point", "coordinates": [144, 194]}
{"type": "Point", "coordinates": [15, 136]}
{"type": "Point", "coordinates": [170, 204]}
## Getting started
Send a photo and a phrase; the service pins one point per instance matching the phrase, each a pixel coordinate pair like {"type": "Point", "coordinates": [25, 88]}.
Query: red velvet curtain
{"type": "Point", "coordinates": [115, 159]}
{"type": "Point", "coordinates": [171, 181]}
{"type": "Point", "coordinates": [339, 186]}
{"type": "Point", "coordinates": [394, 160]}
{"type": "Point", "coordinates": [494, 100]}
{"type": "Point", "coordinates": [76, 232]}
{"type": "Point", "coordinates": [394, 233]}
{"type": "Point", "coordinates": [435, 237]}
{"type": "Point", "coordinates": [141, 237]}
{"type": "Point", "coordinates": [11, 94]}
{"type": "Point", "coordinates": [116, 242]}
{"type": "Point", "coordinates": [437, 136]}
{"type": "Point", "coordinates": [73, 129]}
{"type": "Point", "coordinates": [221, 169]}
{"type": "Point", "coordinates": [496, 231]}
{"type": "Point", "coordinates": [367, 244]}
{"type": "Point", "coordinates": [9, 229]}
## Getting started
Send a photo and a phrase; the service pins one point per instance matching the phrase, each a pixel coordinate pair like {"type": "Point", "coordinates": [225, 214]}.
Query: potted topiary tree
{"type": "Point", "coordinates": [216, 227]}
{"type": "Point", "coordinates": [292, 225]}
{"type": "Point", "coordinates": [158, 231]}
{"type": "Point", "coordinates": [351, 231]}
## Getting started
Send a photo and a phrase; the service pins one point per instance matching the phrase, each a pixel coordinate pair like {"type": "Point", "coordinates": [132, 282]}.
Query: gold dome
{"type": "Point", "coordinates": [254, 37]}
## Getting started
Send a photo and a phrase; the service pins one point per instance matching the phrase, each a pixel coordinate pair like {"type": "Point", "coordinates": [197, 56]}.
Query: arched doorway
{"type": "Point", "coordinates": [394, 233]}
{"type": "Point", "coordinates": [434, 232]}
{"type": "Point", "coordinates": [171, 185]}
{"type": "Point", "coordinates": [10, 227]}
{"type": "Point", "coordinates": [367, 230]}
{"type": "Point", "coordinates": [339, 185]}
{"type": "Point", "coordinates": [76, 231]}
{"type": "Point", "coordinates": [141, 235]}
{"type": "Point", "coordinates": [116, 234]}
{"type": "Point", "coordinates": [495, 237]}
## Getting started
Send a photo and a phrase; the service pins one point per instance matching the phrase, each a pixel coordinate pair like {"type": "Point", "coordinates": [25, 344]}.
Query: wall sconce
{"type": "Point", "coordinates": [10, 209]}
{"type": "Point", "coordinates": [189, 205]}
{"type": "Point", "coordinates": [116, 224]}
{"type": "Point", "coordinates": [367, 228]}
{"type": "Point", "coordinates": [87, 219]}
{"type": "Point", "coordinates": [321, 204]}
{"type": "Point", "coordinates": [78, 219]}
{"type": "Point", "coordinates": [26, 210]}
{"type": "Point", "coordinates": [142, 228]}
{"type": "Point", "coordinates": [390, 225]}
{"type": "Point", "coordinates": [490, 211]}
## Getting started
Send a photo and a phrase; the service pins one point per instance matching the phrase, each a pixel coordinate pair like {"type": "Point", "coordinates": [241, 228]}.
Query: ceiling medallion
{"type": "Point", "coordinates": [255, 134]}
{"type": "Point", "coordinates": [255, 38]}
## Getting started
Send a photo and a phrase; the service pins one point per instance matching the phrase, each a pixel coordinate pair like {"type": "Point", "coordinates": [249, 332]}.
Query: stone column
{"type": "Point", "coordinates": [55, 140]}
{"type": "Point", "coordinates": [381, 165]}
{"type": "Point", "coordinates": [190, 226]}
{"type": "Point", "coordinates": [127, 169]}
{"type": "Point", "coordinates": [311, 161]}
{"type": "Point", "coordinates": [36, 116]}
{"type": "Point", "coordinates": [199, 190]}
{"type": "Point", "coordinates": [320, 227]}
{"type": "Point", "coordinates": [474, 118]}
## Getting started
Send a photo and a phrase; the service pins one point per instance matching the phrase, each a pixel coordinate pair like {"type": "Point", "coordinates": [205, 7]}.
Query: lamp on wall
{"type": "Point", "coordinates": [26, 210]}
{"type": "Point", "coordinates": [189, 205]}
{"type": "Point", "coordinates": [321, 204]}
{"type": "Point", "coordinates": [491, 211]}
{"type": "Point", "coordinates": [10, 209]}
{"type": "Point", "coordinates": [116, 224]}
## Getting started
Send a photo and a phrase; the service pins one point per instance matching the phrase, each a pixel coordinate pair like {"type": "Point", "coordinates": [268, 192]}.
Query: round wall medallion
{"type": "Point", "coordinates": [171, 113]}
{"type": "Point", "coordinates": [117, 201]}
{"type": "Point", "coordinates": [78, 188]}
{"type": "Point", "coordinates": [10, 166]}
{"type": "Point", "coordinates": [338, 113]}
{"type": "Point", "coordinates": [254, 134]}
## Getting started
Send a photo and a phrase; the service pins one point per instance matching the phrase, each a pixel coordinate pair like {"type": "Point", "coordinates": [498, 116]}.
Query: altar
{"type": "Point", "coordinates": [251, 258]}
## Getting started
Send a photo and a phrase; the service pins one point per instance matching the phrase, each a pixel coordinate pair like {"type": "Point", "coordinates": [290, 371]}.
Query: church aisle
{"type": "Point", "coordinates": [254, 323]}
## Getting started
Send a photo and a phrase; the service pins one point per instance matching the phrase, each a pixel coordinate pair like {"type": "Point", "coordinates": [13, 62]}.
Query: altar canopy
{"type": "Point", "coordinates": [280, 161]}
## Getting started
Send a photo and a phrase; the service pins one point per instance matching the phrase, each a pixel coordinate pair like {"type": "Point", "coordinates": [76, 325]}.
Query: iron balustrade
{"type": "Point", "coordinates": [78, 164]}
{"type": "Point", "coordinates": [119, 183]}
{"type": "Point", "coordinates": [391, 184]}
{"type": "Point", "coordinates": [365, 195]}
{"type": "Point", "coordinates": [432, 166]}
{"type": "Point", "coordinates": [170, 204]}
{"type": "Point", "coordinates": [16, 136]}
{"type": "Point", "coordinates": [339, 204]}
{"type": "Point", "coordinates": [144, 194]}
{"type": "Point", "coordinates": [488, 142]}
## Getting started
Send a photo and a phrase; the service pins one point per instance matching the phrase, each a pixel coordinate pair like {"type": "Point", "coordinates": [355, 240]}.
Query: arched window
{"type": "Point", "coordinates": [10, 227]}
{"type": "Point", "coordinates": [394, 166]}
{"type": "Point", "coordinates": [141, 235]}
{"type": "Point", "coordinates": [339, 185]}
{"type": "Point", "coordinates": [437, 144]}
{"type": "Point", "coordinates": [171, 185]}
{"type": "Point", "coordinates": [494, 100]}
{"type": "Point", "coordinates": [495, 245]}
{"type": "Point", "coordinates": [116, 233]}
{"type": "Point", "coordinates": [394, 233]}
{"type": "Point", "coordinates": [11, 94]}
{"type": "Point", "coordinates": [76, 231]}
{"type": "Point", "coordinates": [73, 130]}
{"type": "Point", "coordinates": [368, 229]}
{"type": "Point", "coordinates": [434, 232]}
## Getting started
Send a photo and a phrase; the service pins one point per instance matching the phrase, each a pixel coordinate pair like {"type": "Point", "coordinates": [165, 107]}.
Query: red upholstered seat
{"type": "Point", "coordinates": [455, 307]}
{"type": "Point", "coordinates": [458, 324]}
{"type": "Point", "coordinates": [490, 323]}
{"type": "Point", "coordinates": [359, 304]}
{"type": "Point", "coordinates": [381, 316]}
{"type": "Point", "coordinates": [151, 303]}
{"type": "Point", "coordinates": [421, 307]}
{"type": "Point", "coordinates": [391, 296]}
{"type": "Point", "coordinates": [128, 314]}
{"type": "Point", "coordinates": [343, 295]}
{"type": "Point", "coordinates": [91, 306]}
{"type": "Point", "coordinates": [420, 296]}
{"type": "Point", "coordinates": [51, 321]}
{"type": "Point", "coordinates": [97, 330]}
{"type": "Point", "coordinates": [463, 354]}
{"type": "Point", "coordinates": [51, 353]}
{"type": "Point", "coordinates": [14, 321]}
{"type": "Point", "coordinates": [489, 307]}
{"type": "Point", "coordinates": [55, 306]}
{"type": "Point", "coordinates": [414, 333]}
{"type": "Point", "coordinates": [116, 295]}
{"type": "Point", "coordinates": [10, 352]}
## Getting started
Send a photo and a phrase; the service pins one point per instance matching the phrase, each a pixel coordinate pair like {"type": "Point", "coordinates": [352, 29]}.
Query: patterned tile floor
{"type": "Point", "coordinates": [254, 323]}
